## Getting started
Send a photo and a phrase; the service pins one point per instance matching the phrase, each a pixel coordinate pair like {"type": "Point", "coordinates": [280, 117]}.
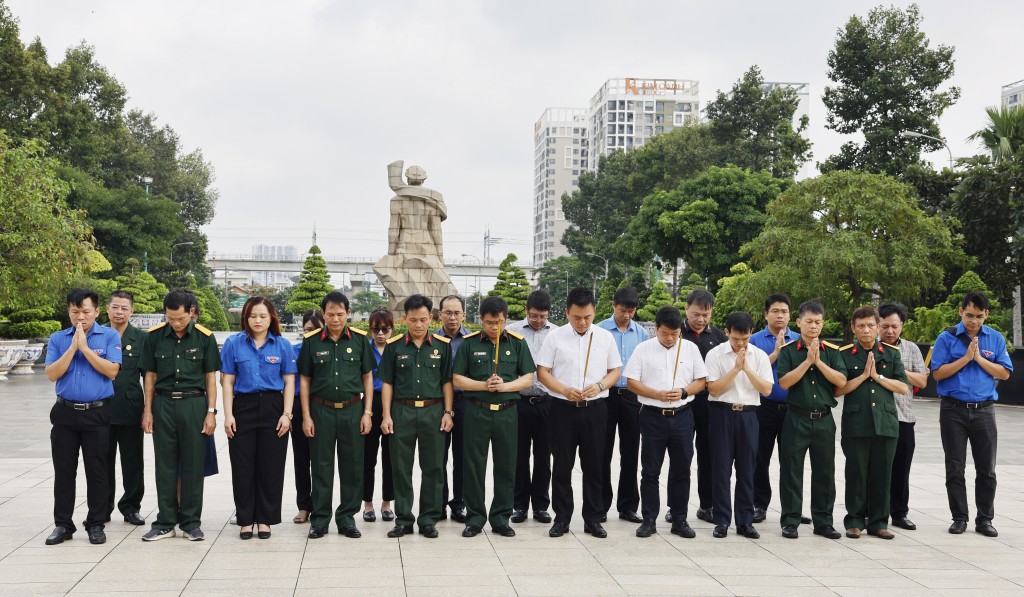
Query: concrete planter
{"type": "Point", "coordinates": [11, 352]}
{"type": "Point", "coordinates": [31, 354]}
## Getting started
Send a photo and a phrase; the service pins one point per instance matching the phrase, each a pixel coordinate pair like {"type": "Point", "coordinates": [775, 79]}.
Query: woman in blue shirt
{"type": "Point", "coordinates": [312, 320]}
{"type": "Point", "coordinates": [258, 384]}
{"type": "Point", "coordinates": [381, 325]}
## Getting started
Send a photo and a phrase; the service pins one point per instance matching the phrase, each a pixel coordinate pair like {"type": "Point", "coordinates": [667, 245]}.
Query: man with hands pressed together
{"type": "Point", "coordinates": [666, 373]}
{"type": "Point", "coordinates": [810, 369]}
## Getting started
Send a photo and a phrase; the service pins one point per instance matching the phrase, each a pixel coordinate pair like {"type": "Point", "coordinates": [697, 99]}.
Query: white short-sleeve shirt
{"type": "Point", "coordinates": [654, 366]}
{"type": "Point", "coordinates": [565, 353]}
{"type": "Point", "coordinates": [721, 359]}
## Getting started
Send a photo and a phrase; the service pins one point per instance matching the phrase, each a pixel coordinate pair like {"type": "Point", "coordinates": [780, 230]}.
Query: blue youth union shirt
{"type": "Point", "coordinates": [626, 341]}
{"type": "Point", "coordinates": [377, 383]}
{"type": "Point", "coordinates": [81, 382]}
{"type": "Point", "coordinates": [766, 342]}
{"type": "Point", "coordinates": [295, 355]}
{"type": "Point", "coordinates": [972, 383]}
{"type": "Point", "coordinates": [257, 369]}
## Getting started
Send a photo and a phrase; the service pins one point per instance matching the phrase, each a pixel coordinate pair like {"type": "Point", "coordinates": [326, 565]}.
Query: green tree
{"type": "Point", "coordinates": [365, 301]}
{"type": "Point", "coordinates": [927, 323]}
{"type": "Point", "coordinates": [658, 298]}
{"type": "Point", "coordinates": [693, 282]}
{"type": "Point", "coordinates": [558, 276]}
{"type": "Point", "coordinates": [211, 311]}
{"type": "Point", "coordinates": [149, 294]}
{"type": "Point", "coordinates": [1003, 137]}
{"type": "Point", "coordinates": [512, 286]}
{"type": "Point", "coordinates": [604, 297]}
{"type": "Point", "coordinates": [886, 79]}
{"type": "Point", "coordinates": [850, 238]}
{"type": "Point", "coordinates": [314, 283]}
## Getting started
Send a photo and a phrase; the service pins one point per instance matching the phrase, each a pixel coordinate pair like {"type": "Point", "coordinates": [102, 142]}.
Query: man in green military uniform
{"type": "Point", "coordinates": [336, 368]}
{"type": "Point", "coordinates": [181, 361]}
{"type": "Point", "coordinates": [491, 368]}
{"type": "Point", "coordinates": [126, 411]}
{"type": "Point", "coordinates": [870, 424]}
{"type": "Point", "coordinates": [416, 395]}
{"type": "Point", "coordinates": [811, 370]}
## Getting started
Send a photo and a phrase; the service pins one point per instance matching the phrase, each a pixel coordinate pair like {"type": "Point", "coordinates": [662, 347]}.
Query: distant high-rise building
{"type": "Point", "coordinates": [561, 151]}
{"type": "Point", "coordinates": [802, 95]}
{"type": "Point", "coordinates": [1013, 94]}
{"type": "Point", "coordinates": [274, 253]}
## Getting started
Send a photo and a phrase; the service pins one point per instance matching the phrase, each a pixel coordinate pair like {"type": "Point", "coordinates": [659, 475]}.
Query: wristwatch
{"type": "Point", "coordinates": [601, 385]}
{"type": "Point", "coordinates": [211, 411]}
{"type": "Point", "coordinates": [450, 413]}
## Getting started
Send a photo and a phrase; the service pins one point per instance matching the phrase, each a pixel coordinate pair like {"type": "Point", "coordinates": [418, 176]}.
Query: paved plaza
{"type": "Point", "coordinates": [923, 562]}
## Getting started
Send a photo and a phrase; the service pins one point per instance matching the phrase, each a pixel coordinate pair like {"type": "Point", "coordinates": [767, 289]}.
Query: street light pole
{"type": "Point", "coordinates": [479, 292]}
{"type": "Point", "coordinates": [605, 263]}
{"type": "Point", "coordinates": [917, 135]}
{"type": "Point", "coordinates": [184, 244]}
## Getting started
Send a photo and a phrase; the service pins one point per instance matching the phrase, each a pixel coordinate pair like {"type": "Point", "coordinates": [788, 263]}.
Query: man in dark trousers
{"type": "Point", "coordinates": [452, 311]}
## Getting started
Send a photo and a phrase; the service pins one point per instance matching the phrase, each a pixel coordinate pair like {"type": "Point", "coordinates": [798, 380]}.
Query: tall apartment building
{"type": "Point", "coordinates": [803, 96]}
{"type": "Point", "coordinates": [561, 152]}
{"type": "Point", "coordinates": [1013, 94]}
{"type": "Point", "coordinates": [274, 253]}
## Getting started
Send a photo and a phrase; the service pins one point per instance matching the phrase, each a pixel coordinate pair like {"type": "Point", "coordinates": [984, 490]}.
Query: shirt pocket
{"type": "Point", "coordinates": [507, 366]}
{"type": "Point", "coordinates": [166, 363]}
{"type": "Point", "coordinates": [191, 362]}
{"type": "Point", "coordinates": [247, 366]}
{"type": "Point", "coordinates": [270, 366]}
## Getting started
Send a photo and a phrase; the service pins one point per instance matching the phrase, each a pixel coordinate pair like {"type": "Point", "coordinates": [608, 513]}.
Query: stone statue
{"type": "Point", "coordinates": [415, 260]}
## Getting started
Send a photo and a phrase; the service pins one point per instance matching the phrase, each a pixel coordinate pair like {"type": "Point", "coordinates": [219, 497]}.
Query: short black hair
{"type": "Point", "coordinates": [740, 322]}
{"type": "Point", "coordinates": [580, 297]}
{"type": "Point", "coordinates": [125, 294]}
{"type": "Point", "coordinates": [77, 296]}
{"type": "Point", "coordinates": [865, 312]}
{"type": "Point", "coordinates": [334, 298]}
{"type": "Point", "coordinates": [978, 299]}
{"type": "Point", "coordinates": [669, 317]}
{"type": "Point", "coordinates": [416, 301]}
{"type": "Point", "coordinates": [539, 300]}
{"type": "Point", "coordinates": [493, 305]}
{"type": "Point", "coordinates": [626, 297]}
{"type": "Point", "coordinates": [179, 299]}
{"type": "Point", "coordinates": [777, 298]}
{"type": "Point", "coordinates": [449, 297]}
{"type": "Point", "coordinates": [811, 306]}
{"type": "Point", "coordinates": [314, 315]}
{"type": "Point", "coordinates": [700, 297]}
{"type": "Point", "coordinates": [889, 308]}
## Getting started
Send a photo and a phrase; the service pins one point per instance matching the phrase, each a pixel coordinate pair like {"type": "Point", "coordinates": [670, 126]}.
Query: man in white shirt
{"type": "Point", "coordinates": [578, 363]}
{"type": "Point", "coordinates": [738, 373]}
{"type": "Point", "coordinates": [666, 373]}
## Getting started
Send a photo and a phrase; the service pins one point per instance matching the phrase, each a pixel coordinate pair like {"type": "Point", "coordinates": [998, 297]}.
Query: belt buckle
{"type": "Point", "coordinates": [973, 405]}
{"type": "Point", "coordinates": [418, 403]}
{"type": "Point", "coordinates": [737, 407]}
{"type": "Point", "coordinates": [815, 415]}
{"type": "Point", "coordinates": [494, 407]}
{"type": "Point", "coordinates": [80, 406]}
{"type": "Point", "coordinates": [668, 412]}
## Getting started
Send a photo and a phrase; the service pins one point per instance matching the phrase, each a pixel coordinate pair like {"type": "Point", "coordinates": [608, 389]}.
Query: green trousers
{"type": "Point", "coordinates": [801, 435]}
{"type": "Point", "coordinates": [129, 438]}
{"type": "Point", "coordinates": [178, 437]}
{"type": "Point", "coordinates": [422, 425]}
{"type": "Point", "coordinates": [499, 430]}
{"type": "Point", "coordinates": [868, 476]}
{"type": "Point", "coordinates": [336, 434]}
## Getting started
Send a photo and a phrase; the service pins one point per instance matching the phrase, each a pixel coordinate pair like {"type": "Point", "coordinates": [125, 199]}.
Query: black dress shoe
{"type": "Point", "coordinates": [790, 531]}
{"type": "Point", "coordinates": [827, 531]}
{"type": "Point", "coordinates": [518, 516]}
{"type": "Point", "coordinates": [904, 523]}
{"type": "Point", "coordinates": [387, 515]}
{"type": "Point", "coordinates": [604, 517]}
{"type": "Point", "coordinates": [595, 529]}
{"type": "Point", "coordinates": [317, 532]}
{"type": "Point", "coordinates": [668, 515]}
{"type": "Point", "coordinates": [245, 535]}
{"type": "Point", "coordinates": [459, 515]}
{"type": "Point", "coordinates": [958, 527]}
{"type": "Point", "coordinates": [542, 516]}
{"type": "Point", "coordinates": [370, 516]}
{"type": "Point", "coordinates": [985, 528]}
{"type": "Point", "coordinates": [429, 531]}
{"type": "Point", "coordinates": [350, 531]}
{"type": "Point", "coordinates": [400, 530]}
{"type": "Point", "coordinates": [135, 518]}
{"type": "Point", "coordinates": [759, 515]}
{"type": "Point", "coordinates": [648, 528]}
{"type": "Point", "coordinates": [805, 520]}
{"type": "Point", "coordinates": [705, 514]}
{"type": "Point", "coordinates": [444, 515]}
{"type": "Point", "coordinates": [96, 535]}
{"type": "Point", "coordinates": [263, 534]}
{"type": "Point", "coordinates": [59, 535]}
{"type": "Point", "coordinates": [505, 531]}
{"type": "Point", "coordinates": [748, 531]}
{"type": "Point", "coordinates": [558, 529]}
{"type": "Point", "coordinates": [720, 531]}
{"type": "Point", "coordinates": [682, 528]}
{"type": "Point", "coordinates": [630, 517]}
{"type": "Point", "coordinates": [471, 530]}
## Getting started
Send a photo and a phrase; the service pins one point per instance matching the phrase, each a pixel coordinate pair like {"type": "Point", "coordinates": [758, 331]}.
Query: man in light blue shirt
{"type": "Point", "coordinates": [623, 410]}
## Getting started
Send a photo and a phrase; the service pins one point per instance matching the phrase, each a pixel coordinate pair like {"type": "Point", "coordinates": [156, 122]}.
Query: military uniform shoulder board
{"type": "Point", "coordinates": [312, 333]}
{"type": "Point", "coordinates": [514, 335]}
{"type": "Point", "coordinates": [890, 345]}
{"type": "Point", "coordinates": [471, 334]}
{"type": "Point", "coordinates": [205, 330]}
{"type": "Point", "coordinates": [788, 343]}
{"type": "Point", "coordinates": [157, 327]}
{"type": "Point", "coordinates": [394, 339]}
{"type": "Point", "coordinates": [847, 347]}
{"type": "Point", "coordinates": [357, 330]}
{"type": "Point", "coordinates": [830, 345]}
{"type": "Point", "coordinates": [446, 339]}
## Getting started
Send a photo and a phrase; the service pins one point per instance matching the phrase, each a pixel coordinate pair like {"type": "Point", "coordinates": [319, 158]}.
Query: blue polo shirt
{"type": "Point", "coordinates": [296, 348]}
{"type": "Point", "coordinates": [626, 341]}
{"type": "Point", "coordinates": [972, 383]}
{"type": "Point", "coordinates": [377, 383]}
{"type": "Point", "coordinates": [257, 369]}
{"type": "Point", "coordinates": [82, 382]}
{"type": "Point", "coordinates": [765, 340]}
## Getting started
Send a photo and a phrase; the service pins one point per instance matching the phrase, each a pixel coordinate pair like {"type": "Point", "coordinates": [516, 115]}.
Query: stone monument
{"type": "Point", "coordinates": [415, 260]}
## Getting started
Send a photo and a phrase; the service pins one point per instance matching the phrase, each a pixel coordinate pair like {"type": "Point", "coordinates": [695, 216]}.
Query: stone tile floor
{"type": "Point", "coordinates": [924, 562]}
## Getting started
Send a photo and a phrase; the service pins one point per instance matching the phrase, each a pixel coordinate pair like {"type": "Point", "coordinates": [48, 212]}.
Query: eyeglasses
{"type": "Point", "coordinates": [380, 330]}
{"type": "Point", "coordinates": [451, 314]}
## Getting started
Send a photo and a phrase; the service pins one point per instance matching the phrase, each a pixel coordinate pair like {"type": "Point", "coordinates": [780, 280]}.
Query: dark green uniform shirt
{"type": "Point", "coordinates": [336, 369]}
{"type": "Point", "coordinates": [871, 409]}
{"type": "Point", "coordinates": [416, 373]}
{"type": "Point", "coordinates": [129, 401]}
{"type": "Point", "coordinates": [180, 364]}
{"type": "Point", "coordinates": [475, 360]}
{"type": "Point", "coordinates": [813, 391]}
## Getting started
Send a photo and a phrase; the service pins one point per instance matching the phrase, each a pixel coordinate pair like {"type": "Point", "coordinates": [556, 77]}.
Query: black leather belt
{"type": "Point", "coordinates": [180, 395]}
{"type": "Point", "coordinates": [493, 406]}
{"type": "Point", "coordinates": [813, 415]}
{"type": "Point", "coordinates": [779, 406]}
{"type": "Point", "coordinates": [535, 399]}
{"type": "Point", "coordinates": [418, 403]}
{"type": "Point", "coordinates": [82, 405]}
{"type": "Point", "coordinates": [665, 412]}
{"type": "Point", "coordinates": [622, 392]}
{"type": "Point", "coordinates": [964, 404]}
{"type": "Point", "coordinates": [739, 408]}
{"type": "Point", "coordinates": [263, 394]}
{"type": "Point", "coordinates": [330, 404]}
{"type": "Point", "coordinates": [581, 403]}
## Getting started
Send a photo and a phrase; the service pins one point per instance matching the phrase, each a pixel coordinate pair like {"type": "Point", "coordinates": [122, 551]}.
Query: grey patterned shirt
{"type": "Point", "coordinates": [912, 361]}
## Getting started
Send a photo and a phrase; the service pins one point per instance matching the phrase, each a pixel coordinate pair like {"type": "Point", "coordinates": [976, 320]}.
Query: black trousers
{"type": "Point", "coordinates": [258, 456]}
{"type": "Point", "coordinates": [733, 441]}
{"type": "Point", "coordinates": [377, 441]}
{"type": "Point", "coordinates": [702, 443]}
{"type": "Point", "coordinates": [534, 412]}
{"type": "Point", "coordinates": [624, 413]}
{"type": "Point", "coordinates": [300, 461]}
{"type": "Point", "coordinates": [957, 426]}
{"type": "Point", "coordinates": [453, 440]}
{"type": "Point", "coordinates": [769, 434]}
{"type": "Point", "coordinates": [129, 438]}
{"type": "Point", "coordinates": [673, 434]}
{"type": "Point", "coordinates": [899, 488]}
{"type": "Point", "coordinates": [87, 431]}
{"type": "Point", "coordinates": [581, 428]}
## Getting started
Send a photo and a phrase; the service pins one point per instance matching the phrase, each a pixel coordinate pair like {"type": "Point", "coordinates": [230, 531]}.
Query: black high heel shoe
{"type": "Point", "coordinates": [245, 535]}
{"type": "Point", "coordinates": [263, 534]}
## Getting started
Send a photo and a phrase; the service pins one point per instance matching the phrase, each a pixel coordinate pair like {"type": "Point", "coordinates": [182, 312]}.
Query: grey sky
{"type": "Point", "coordinates": [301, 105]}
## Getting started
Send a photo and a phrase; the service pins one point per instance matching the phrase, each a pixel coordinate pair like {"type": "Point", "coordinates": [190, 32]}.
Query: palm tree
{"type": "Point", "coordinates": [1004, 135]}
